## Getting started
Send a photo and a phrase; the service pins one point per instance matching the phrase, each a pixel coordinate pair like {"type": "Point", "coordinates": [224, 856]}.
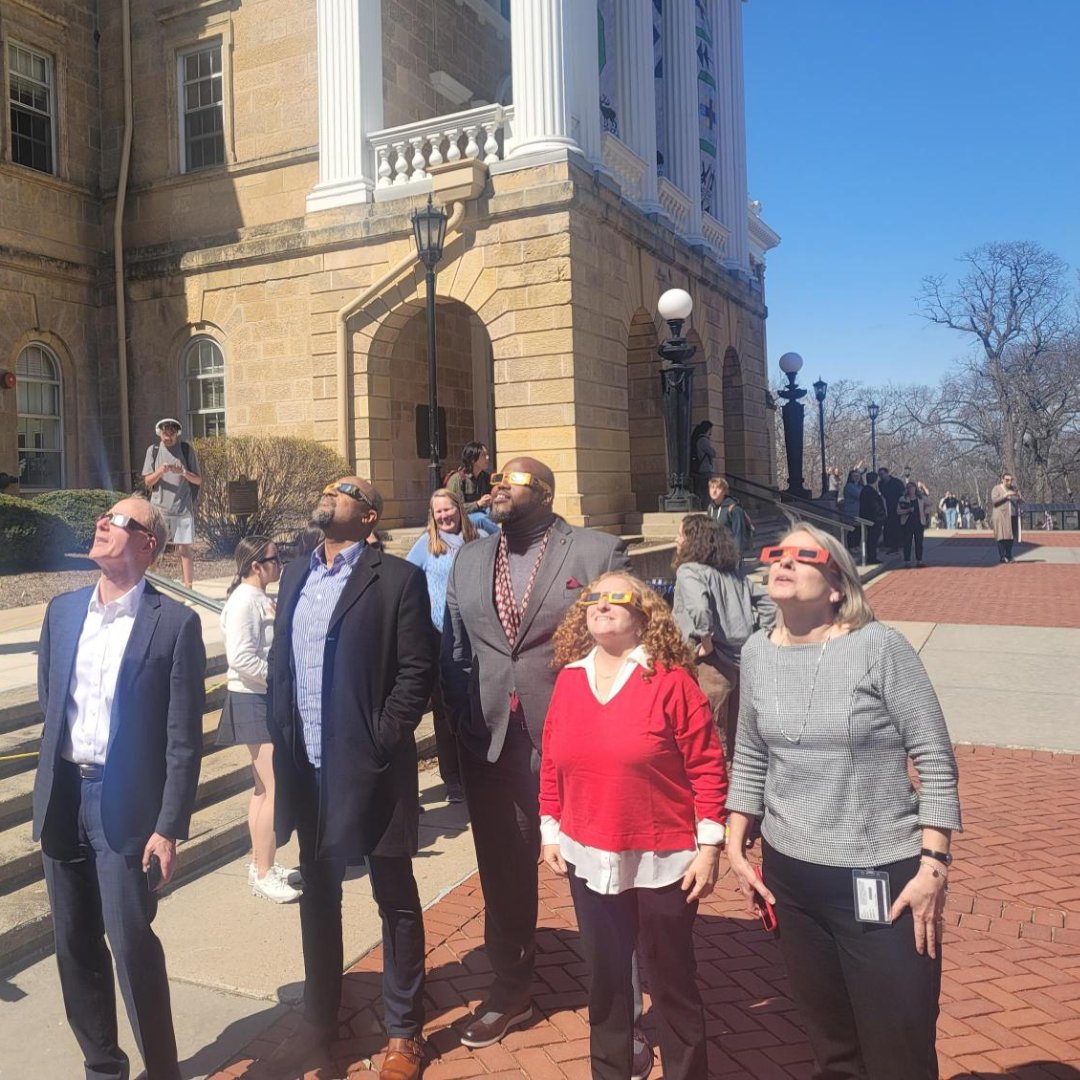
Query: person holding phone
{"type": "Point", "coordinates": [173, 476]}
{"type": "Point", "coordinates": [1005, 518]}
{"type": "Point", "coordinates": [121, 672]}
{"type": "Point", "coordinates": [856, 861]}
{"type": "Point", "coordinates": [628, 727]}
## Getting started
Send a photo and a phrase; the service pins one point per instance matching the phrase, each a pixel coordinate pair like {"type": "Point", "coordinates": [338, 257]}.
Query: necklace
{"type": "Point", "coordinates": [809, 701]}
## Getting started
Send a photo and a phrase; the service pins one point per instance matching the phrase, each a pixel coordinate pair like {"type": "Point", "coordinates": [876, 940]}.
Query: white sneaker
{"type": "Point", "coordinates": [289, 876]}
{"type": "Point", "coordinates": [275, 889]}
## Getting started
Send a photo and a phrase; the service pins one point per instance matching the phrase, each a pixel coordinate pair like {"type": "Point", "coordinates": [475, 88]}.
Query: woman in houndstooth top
{"type": "Point", "coordinates": [834, 706]}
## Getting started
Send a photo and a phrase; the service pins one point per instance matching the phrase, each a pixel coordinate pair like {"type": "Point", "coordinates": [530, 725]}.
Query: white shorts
{"type": "Point", "coordinates": [181, 528]}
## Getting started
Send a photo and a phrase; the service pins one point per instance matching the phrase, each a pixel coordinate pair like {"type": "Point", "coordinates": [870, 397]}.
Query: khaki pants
{"type": "Point", "coordinates": [718, 677]}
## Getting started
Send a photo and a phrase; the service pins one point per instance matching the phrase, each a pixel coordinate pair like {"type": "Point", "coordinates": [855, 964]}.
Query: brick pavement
{"type": "Point", "coordinates": [1011, 988]}
{"type": "Point", "coordinates": [1013, 594]}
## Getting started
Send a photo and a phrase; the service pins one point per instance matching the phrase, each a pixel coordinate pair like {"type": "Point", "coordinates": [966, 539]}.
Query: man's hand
{"type": "Point", "coordinates": [553, 857]}
{"type": "Point", "coordinates": [165, 850]}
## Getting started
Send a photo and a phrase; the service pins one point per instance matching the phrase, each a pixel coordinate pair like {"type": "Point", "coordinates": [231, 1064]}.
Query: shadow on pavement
{"type": "Point", "coordinates": [237, 1035]}
{"type": "Point", "coordinates": [1031, 1070]}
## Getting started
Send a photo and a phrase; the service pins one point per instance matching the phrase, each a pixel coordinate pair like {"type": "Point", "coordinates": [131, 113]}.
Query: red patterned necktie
{"type": "Point", "coordinates": [510, 615]}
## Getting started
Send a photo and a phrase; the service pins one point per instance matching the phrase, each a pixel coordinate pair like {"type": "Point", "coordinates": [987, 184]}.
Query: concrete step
{"type": "Point", "coordinates": [218, 834]}
{"type": "Point", "coordinates": [19, 706]}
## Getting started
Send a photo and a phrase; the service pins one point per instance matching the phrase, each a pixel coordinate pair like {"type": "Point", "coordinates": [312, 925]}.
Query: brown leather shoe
{"type": "Point", "coordinates": [404, 1060]}
{"type": "Point", "coordinates": [488, 1025]}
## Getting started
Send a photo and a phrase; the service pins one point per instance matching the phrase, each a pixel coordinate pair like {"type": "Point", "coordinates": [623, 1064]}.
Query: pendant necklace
{"type": "Point", "coordinates": [809, 701]}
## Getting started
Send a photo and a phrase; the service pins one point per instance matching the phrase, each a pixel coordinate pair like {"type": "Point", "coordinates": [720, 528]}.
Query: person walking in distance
{"type": "Point", "coordinates": [121, 673]}
{"type": "Point", "coordinates": [350, 676]}
{"type": "Point", "coordinates": [1005, 518]}
{"type": "Point", "coordinates": [247, 621]}
{"type": "Point", "coordinates": [171, 474]}
{"type": "Point", "coordinates": [506, 596]}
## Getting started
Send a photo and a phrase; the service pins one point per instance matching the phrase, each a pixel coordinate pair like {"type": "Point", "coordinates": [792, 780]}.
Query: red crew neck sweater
{"type": "Point", "coordinates": [636, 773]}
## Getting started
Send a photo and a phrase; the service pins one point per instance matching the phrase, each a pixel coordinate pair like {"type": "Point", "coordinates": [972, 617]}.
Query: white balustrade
{"type": "Point", "coordinates": [676, 204]}
{"type": "Point", "coordinates": [716, 236]}
{"type": "Point", "coordinates": [624, 165]}
{"type": "Point", "coordinates": [405, 154]}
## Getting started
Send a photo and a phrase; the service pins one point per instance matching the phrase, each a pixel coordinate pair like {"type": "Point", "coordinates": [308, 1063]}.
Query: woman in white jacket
{"type": "Point", "coordinates": [248, 623]}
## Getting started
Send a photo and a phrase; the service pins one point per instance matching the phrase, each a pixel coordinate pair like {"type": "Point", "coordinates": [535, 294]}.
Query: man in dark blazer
{"type": "Point", "coordinates": [892, 491]}
{"type": "Point", "coordinates": [121, 673]}
{"type": "Point", "coordinates": [506, 596]}
{"type": "Point", "coordinates": [351, 670]}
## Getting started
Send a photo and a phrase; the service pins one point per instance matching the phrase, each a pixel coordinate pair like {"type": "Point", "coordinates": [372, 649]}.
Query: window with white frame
{"type": "Point", "coordinates": [202, 109]}
{"type": "Point", "coordinates": [39, 403]}
{"type": "Point", "coordinates": [203, 367]}
{"type": "Point", "coordinates": [32, 97]}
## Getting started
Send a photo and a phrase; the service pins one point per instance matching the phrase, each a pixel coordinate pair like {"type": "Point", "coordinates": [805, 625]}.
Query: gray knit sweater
{"type": "Point", "coordinates": [841, 795]}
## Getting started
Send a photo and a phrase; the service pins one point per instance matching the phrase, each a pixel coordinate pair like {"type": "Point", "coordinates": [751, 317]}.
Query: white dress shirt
{"type": "Point", "coordinates": [104, 638]}
{"type": "Point", "coordinates": [248, 623]}
{"type": "Point", "coordinates": [611, 872]}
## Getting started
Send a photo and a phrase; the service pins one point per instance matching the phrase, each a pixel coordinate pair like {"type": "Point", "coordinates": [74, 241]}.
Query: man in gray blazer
{"type": "Point", "coordinates": [506, 596]}
{"type": "Point", "coordinates": [121, 673]}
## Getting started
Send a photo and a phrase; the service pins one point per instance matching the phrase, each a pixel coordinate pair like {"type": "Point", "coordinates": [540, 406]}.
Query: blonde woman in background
{"type": "Point", "coordinates": [248, 623]}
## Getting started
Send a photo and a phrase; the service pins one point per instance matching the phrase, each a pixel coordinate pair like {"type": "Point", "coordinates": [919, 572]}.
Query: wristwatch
{"type": "Point", "coordinates": [941, 856]}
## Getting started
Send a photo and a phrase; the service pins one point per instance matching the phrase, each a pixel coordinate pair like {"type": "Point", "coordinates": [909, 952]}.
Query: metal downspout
{"type": "Point", "coordinates": [118, 251]}
{"type": "Point", "coordinates": [344, 374]}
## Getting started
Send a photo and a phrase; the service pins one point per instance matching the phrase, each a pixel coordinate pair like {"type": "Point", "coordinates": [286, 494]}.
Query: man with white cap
{"type": "Point", "coordinates": [171, 474]}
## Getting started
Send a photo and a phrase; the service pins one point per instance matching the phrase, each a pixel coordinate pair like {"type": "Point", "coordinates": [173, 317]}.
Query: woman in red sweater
{"type": "Point", "coordinates": [632, 788]}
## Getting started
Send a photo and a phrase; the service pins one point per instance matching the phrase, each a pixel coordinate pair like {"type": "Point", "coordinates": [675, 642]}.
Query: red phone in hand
{"type": "Point", "coordinates": [766, 911]}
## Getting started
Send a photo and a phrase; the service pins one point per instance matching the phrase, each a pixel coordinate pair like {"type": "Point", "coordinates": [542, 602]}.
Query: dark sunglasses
{"type": "Point", "coordinates": [810, 556]}
{"type": "Point", "coordinates": [352, 490]}
{"type": "Point", "coordinates": [125, 521]}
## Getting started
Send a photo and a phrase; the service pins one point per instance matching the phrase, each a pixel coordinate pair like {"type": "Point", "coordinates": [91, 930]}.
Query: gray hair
{"type": "Point", "coordinates": [853, 609]}
{"type": "Point", "coordinates": [157, 525]}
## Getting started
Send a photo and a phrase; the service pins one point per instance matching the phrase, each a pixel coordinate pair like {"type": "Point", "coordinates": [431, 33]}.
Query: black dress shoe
{"type": "Point", "coordinates": [488, 1025]}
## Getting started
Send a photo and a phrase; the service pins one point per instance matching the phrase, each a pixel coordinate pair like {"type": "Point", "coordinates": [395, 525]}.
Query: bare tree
{"type": "Point", "coordinates": [1012, 396]}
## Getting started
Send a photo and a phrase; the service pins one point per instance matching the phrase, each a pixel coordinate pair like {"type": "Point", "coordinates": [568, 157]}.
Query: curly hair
{"type": "Point", "coordinates": [706, 541]}
{"type": "Point", "coordinates": [661, 638]}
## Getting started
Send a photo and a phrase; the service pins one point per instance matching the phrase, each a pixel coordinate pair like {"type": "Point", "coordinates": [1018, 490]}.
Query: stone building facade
{"type": "Point", "coordinates": [267, 156]}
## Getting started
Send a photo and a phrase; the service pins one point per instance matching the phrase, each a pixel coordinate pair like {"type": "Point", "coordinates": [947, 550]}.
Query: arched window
{"type": "Point", "coordinates": [203, 368]}
{"type": "Point", "coordinates": [41, 429]}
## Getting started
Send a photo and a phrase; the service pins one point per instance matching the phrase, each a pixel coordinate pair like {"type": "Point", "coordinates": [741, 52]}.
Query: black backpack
{"type": "Point", "coordinates": [185, 453]}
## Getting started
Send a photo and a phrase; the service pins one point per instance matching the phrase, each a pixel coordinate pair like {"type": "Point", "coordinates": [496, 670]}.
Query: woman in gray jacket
{"type": "Point", "coordinates": [855, 858]}
{"type": "Point", "coordinates": [716, 609]}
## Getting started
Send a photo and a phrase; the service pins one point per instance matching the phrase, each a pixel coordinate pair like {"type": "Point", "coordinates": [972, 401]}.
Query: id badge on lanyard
{"type": "Point", "coordinates": [872, 897]}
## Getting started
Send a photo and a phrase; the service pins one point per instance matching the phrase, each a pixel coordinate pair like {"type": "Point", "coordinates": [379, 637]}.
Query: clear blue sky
{"type": "Point", "coordinates": [885, 137]}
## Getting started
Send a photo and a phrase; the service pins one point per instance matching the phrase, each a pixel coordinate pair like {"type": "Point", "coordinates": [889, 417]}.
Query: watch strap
{"type": "Point", "coordinates": [940, 856]}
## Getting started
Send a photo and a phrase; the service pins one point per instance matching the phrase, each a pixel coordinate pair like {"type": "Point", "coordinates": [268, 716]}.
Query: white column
{"type": "Point", "coordinates": [681, 88]}
{"type": "Point", "coordinates": [553, 49]}
{"type": "Point", "coordinates": [731, 166]}
{"type": "Point", "coordinates": [637, 87]}
{"type": "Point", "coordinates": [350, 100]}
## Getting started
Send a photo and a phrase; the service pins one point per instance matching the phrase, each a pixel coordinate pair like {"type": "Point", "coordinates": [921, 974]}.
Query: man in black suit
{"type": "Point", "coordinates": [892, 489]}
{"type": "Point", "coordinates": [351, 670]}
{"type": "Point", "coordinates": [506, 596]}
{"type": "Point", "coordinates": [121, 673]}
{"type": "Point", "coordinates": [872, 507]}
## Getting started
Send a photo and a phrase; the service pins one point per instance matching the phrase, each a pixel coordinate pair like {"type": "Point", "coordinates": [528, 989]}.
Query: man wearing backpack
{"type": "Point", "coordinates": [171, 474]}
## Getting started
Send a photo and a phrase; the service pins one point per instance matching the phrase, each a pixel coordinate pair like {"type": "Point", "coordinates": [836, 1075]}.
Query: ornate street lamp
{"type": "Point", "coordinates": [429, 231]}
{"type": "Point", "coordinates": [676, 388]}
{"type": "Point", "coordinates": [819, 393]}
{"type": "Point", "coordinates": [791, 364]}
{"type": "Point", "coordinates": [872, 411]}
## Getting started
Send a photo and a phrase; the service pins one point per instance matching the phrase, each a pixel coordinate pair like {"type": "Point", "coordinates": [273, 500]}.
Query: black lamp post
{"type": "Point", "coordinates": [792, 412]}
{"type": "Point", "coordinates": [676, 389]}
{"type": "Point", "coordinates": [819, 393]}
{"type": "Point", "coordinates": [429, 231]}
{"type": "Point", "coordinates": [873, 411]}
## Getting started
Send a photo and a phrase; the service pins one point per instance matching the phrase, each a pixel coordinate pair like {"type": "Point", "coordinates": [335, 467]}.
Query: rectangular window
{"type": "Point", "coordinates": [33, 102]}
{"type": "Point", "coordinates": [202, 132]}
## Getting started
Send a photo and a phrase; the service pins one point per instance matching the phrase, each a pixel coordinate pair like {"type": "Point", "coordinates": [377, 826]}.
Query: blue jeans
{"type": "Point", "coordinates": [951, 514]}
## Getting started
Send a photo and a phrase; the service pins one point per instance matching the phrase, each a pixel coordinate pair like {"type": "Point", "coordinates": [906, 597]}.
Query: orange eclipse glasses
{"type": "Point", "coordinates": [810, 556]}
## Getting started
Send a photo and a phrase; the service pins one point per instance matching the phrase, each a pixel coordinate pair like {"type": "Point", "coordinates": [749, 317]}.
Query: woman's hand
{"type": "Point", "coordinates": [925, 895]}
{"type": "Point", "coordinates": [552, 855]}
{"type": "Point", "coordinates": [706, 646]}
{"type": "Point", "coordinates": [701, 876]}
{"type": "Point", "coordinates": [484, 501]}
{"type": "Point", "coordinates": [750, 885]}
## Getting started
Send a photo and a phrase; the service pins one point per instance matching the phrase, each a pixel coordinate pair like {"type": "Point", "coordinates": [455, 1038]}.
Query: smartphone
{"type": "Point", "coordinates": [153, 874]}
{"type": "Point", "coordinates": [766, 912]}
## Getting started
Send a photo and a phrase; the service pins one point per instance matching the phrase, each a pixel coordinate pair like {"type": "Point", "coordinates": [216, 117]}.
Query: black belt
{"type": "Point", "coordinates": [91, 772]}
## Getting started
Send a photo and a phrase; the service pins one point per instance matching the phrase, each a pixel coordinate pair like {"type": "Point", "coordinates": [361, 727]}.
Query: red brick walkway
{"type": "Point", "coordinates": [1011, 990]}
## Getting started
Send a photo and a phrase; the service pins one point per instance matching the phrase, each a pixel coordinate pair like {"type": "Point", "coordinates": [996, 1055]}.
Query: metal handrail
{"type": "Point", "coordinates": [159, 581]}
{"type": "Point", "coordinates": [807, 510]}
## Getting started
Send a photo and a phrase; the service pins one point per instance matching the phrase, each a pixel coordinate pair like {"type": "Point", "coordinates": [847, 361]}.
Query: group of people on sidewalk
{"type": "Point", "coordinates": [628, 746]}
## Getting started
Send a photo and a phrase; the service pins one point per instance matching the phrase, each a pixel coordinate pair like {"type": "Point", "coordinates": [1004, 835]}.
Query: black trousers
{"type": "Point", "coordinates": [446, 745]}
{"type": "Point", "coordinates": [873, 538]}
{"type": "Point", "coordinates": [100, 895]}
{"type": "Point", "coordinates": [1005, 550]}
{"type": "Point", "coordinates": [913, 531]}
{"type": "Point", "coordinates": [660, 924]}
{"type": "Point", "coordinates": [868, 999]}
{"type": "Point", "coordinates": [398, 900]}
{"type": "Point", "coordinates": [504, 806]}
